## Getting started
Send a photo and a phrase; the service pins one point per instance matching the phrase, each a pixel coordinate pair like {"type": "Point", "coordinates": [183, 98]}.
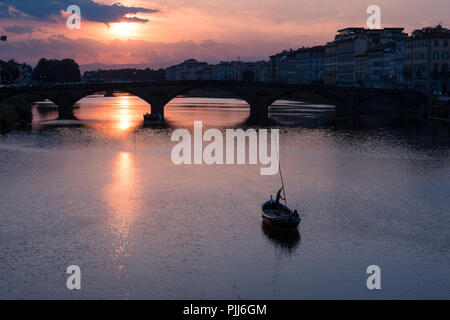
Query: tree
{"type": "Point", "coordinates": [54, 70]}
{"type": "Point", "coordinates": [10, 72]}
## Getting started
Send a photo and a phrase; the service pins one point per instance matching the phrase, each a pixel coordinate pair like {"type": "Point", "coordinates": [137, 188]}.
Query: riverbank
{"type": "Point", "coordinates": [14, 111]}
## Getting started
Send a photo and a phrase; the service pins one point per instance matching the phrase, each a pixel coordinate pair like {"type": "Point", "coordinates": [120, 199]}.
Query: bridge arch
{"type": "Point", "coordinates": [258, 95]}
{"type": "Point", "coordinates": [65, 104]}
{"type": "Point", "coordinates": [299, 112]}
{"type": "Point", "coordinates": [159, 103]}
{"type": "Point", "coordinates": [230, 89]}
{"type": "Point", "coordinates": [307, 95]}
{"type": "Point", "coordinates": [157, 97]}
{"type": "Point", "coordinates": [85, 93]}
{"type": "Point", "coordinates": [32, 97]}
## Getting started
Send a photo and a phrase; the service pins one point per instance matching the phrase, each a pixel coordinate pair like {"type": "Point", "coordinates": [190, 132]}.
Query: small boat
{"type": "Point", "coordinates": [148, 117]}
{"type": "Point", "coordinates": [279, 215]}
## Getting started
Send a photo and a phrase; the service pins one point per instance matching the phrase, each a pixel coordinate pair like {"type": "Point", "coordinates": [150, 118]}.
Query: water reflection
{"type": "Point", "coordinates": [121, 115]}
{"type": "Point", "coordinates": [156, 125]}
{"type": "Point", "coordinates": [358, 185]}
{"type": "Point", "coordinates": [47, 110]}
{"type": "Point", "coordinates": [301, 114]}
{"type": "Point", "coordinates": [217, 112]}
{"type": "Point", "coordinates": [124, 118]}
{"type": "Point", "coordinates": [124, 203]}
{"type": "Point", "coordinates": [119, 118]}
{"type": "Point", "coordinates": [285, 240]}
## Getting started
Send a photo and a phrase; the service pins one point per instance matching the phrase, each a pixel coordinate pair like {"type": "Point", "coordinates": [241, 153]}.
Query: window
{"type": "Point", "coordinates": [445, 55]}
{"type": "Point", "coordinates": [435, 55]}
{"type": "Point", "coordinates": [436, 43]}
{"type": "Point", "coordinates": [445, 67]}
{"type": "Point", "coordinates": [445, 43]}
{"type": "Point", "coordinates": [436, 67]}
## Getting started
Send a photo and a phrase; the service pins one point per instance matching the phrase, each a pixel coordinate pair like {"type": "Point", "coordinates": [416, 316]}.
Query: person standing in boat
{"type": "Point", "coordinates": [277, 200]}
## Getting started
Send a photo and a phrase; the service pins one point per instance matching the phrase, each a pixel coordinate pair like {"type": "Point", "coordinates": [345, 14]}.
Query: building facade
{"type": "Point", "coordinates": [427, 60]}
{"type": "Point", "coordinates": [381, 66]}
{"type": "Point", "coordinates": [330, 64]}
{"type": "Point", "coordinates": [357, 57]}
{"type": "Point", "coordinates": [349, 42]}
{"type": "Point", "coordinates": [284, 66]}
{"type": "Point", "coordinates": [310, 65]}
{"type": "Point", "coordinates": [347, 55]}
{"type": "Point", "coordinates": [361, 70]}
{"type": "Point", "coordinates": [188, 70]}
{"type": "Point", "coordinates": [304, 65]}
{"type": "Point", "coordinates": [232, 71]}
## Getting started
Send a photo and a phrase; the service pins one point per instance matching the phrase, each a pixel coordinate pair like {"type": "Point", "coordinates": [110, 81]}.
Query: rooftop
{"type": "Point", "coordinates": [437, 32]}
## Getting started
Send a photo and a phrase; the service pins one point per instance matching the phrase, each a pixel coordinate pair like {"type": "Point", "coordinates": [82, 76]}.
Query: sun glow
{"type": "Point", "coordinates": [122, 28]}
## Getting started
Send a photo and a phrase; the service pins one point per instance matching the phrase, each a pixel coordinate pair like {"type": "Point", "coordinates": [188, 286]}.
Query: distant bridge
{"type": "Point", "coordinates": [259, 96]}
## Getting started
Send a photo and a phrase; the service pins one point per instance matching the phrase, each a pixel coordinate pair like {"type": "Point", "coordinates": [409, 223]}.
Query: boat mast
{"type": "Point", "coordinates": [281, 175]}
{"type": "Point", "coordinates": [282, 184]}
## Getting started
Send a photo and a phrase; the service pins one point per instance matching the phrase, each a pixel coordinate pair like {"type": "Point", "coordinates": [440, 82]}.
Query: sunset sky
{"type": "Point", "coordinates": [159, 33]}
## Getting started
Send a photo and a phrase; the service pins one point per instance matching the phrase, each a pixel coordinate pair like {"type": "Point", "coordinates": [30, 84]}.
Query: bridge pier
{"type": "Point", "coordinates": [348, 101]}
{"type": "Point", "coordinates": [109, 93]}
{"type": "Point", "coordinates": [259, 114]}
{"type": "Point", "coordinates": [157, 101]}
{"type": "Point", "coordinates": [157, 108]}
{"type": "Point", "coordinates": [65, 112]}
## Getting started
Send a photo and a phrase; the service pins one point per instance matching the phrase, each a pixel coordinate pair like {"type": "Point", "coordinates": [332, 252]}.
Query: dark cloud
{"type": "Point", "coordinates": [19, 29]}
{"type": "Point", "coordinates": [90, 10]}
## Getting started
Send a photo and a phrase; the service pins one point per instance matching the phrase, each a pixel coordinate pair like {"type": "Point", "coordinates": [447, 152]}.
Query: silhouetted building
{"type": "Point", "coordinates": [284, 66]}
{"type": "Point", "coordinates": [361, 70]}
{"type": "Point", "coordinates": [188, 70]}
{"type": "Point", "coordinates": [232, 71]}
{"type": "Point", "coordinates": [258, 71]}
{"type": "Point", "coordinates": [427, 60]}
{"type": "Point", "coordinates": [349, 43]}
{"type": "Point", "coordinates": [380, 67]}
{"type": "Point", "coordinates": [350, 46]}
{"type": "Point", "coordinates": [288, 67]}
{"type": "Point", "coordinates": [224, 71]}
{"type": "Point", "coordinates": [357, 57]}
{"type": "Point", "coordinates": [341, 62]}
{"type": "Point", "coordinates": [304, 65]}
{"type": "Point", "coordinates": [275, 67]}
{"type": "Point", "coordinates": [330, 64]}
{"type": "Point", "coordinates": [310, 65]}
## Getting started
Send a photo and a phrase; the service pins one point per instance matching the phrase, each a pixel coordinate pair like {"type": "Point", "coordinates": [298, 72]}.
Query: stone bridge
{"type": "Point", "coordinates": [259, 96]}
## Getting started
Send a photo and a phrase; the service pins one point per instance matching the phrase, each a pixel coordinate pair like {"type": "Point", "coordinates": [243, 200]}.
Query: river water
{"type": "Point", "coordinates": [102, 193]}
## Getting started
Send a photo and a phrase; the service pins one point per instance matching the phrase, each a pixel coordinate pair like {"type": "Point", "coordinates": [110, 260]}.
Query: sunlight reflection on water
{"type": "Point", "coordinates": [102, 193]}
